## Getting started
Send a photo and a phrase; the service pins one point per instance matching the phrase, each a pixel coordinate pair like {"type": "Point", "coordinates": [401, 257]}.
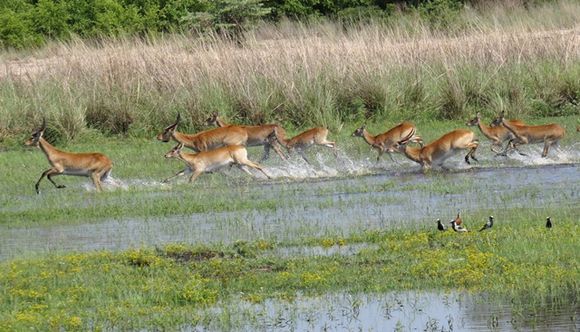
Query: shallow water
{"type": "Point", "coordinates": [400, 311]}
{"type": "Point", "coordinates": [321, 207]}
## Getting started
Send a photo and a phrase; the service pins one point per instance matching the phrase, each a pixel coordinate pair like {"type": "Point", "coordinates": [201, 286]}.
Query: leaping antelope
{"type": "Point", "coordinates": [387, 141]}
{"type": "Point", "coordinates": [205, 140]}
{"type": "Point", "coordinates": [208, 161]}
{"type": "Point", "coordinates": [97, 166]}
{"type": "Point", "coordinates": [438, 151]}
{"type": "Point", "coordinates": [303, 141]}
{"type": "Point", "coordinates": [549, 134]}
{"type": "Point", "coordinates": [257, 135]}
{"type": "Point", "coordinates": [496, 134]}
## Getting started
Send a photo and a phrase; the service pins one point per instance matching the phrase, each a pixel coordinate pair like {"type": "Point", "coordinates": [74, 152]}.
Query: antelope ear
{"type": "Point", "coordinates": [179, 146]}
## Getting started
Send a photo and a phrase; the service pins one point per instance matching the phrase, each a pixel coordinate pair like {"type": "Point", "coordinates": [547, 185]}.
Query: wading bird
{"type": "Point", "coordinates": [440, 225]}
{"type": "Point", "coordinates": [94, 165]}
{"type": "Point", "coordinates": [457, 228]}
{"type": "Point", "coordinates": [488, 224]}
{"type": "Point", "coordinates": [548, 222]}
{"type": "Point", "coordinates": [458, 219]}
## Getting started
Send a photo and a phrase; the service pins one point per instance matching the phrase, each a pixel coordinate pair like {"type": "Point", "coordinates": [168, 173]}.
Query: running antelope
{"type": "Point", "coordinates": [387, 141]}
{"type": "Point", "coordinates": [303, 141]}
{"type": "Point", "coordinates": [496, 134]}
{"type": "Point", "coordinates": [257, 135]}
{"type": "Point", "coordinates": [207, 161]}
{"type": "Point", "coordinates": [205, 140]}
{"type": "Point", "coordinates": [549, 134]}
{"type": "Point", "coordinates": [438, 151]}
{"type": "Point", "coordinates": [94, 165]}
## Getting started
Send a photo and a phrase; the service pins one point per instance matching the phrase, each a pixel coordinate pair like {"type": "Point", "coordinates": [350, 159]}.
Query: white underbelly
{"type": "Point", "coordinates": [213, 167]}
{"type": "Point", "coordinates": [76, 172]}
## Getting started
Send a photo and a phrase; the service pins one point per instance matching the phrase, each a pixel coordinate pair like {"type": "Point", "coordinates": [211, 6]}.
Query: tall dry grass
{"type": "Point", "coordinates": [523, 62]}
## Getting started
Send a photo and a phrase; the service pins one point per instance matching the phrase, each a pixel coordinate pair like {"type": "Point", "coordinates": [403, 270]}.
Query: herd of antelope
{"type": "Point", "coordinates": [226, 145]}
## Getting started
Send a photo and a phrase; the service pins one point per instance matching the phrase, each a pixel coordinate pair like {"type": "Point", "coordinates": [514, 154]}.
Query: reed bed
{"type": "Point", "coordinates": [303, 74]}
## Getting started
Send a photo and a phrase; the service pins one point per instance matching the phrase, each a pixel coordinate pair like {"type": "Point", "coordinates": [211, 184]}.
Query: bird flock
{"type": "Point", "coordinates": [458, 226]}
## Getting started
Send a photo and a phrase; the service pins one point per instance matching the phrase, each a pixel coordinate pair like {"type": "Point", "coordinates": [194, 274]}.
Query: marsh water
{"type": "Point", "coordinates": [348, 197]}
{"type": "Point", "coordinates": [333, 206]}
{"type": "Point", "coordinates": [397, 311]}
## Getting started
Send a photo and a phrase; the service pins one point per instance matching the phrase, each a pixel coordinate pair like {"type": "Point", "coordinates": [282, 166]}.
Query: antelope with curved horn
{"type": "Point", "coordinates": [97, 166]}
{"type": "Point", "coordinates": [208, 161]}
{"type": "Point", "coordinates": [438, 151]}
{"type": "Point", "coordinates": [205, 140]}
{"type": "Point", "coordinates": [496, 134]}
{"type": "Point", "coordinates": [303, 141]}
{"type": "Point", "coordinates": [549, 134]}
{"type": "Point", "coordinates": [257, 135]}
{"type": "Point", "coordinates": [387, 141]}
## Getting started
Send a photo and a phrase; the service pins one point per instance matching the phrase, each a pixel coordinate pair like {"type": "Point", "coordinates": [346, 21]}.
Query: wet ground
{"type": "Point", "coordinates": [402, 311]}
{"type": "Point", "coordinates": [332, 206]}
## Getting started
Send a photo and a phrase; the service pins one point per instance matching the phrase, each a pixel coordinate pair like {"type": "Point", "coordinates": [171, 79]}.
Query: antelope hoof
{"type": "Point", "coordinates": [60, 186]}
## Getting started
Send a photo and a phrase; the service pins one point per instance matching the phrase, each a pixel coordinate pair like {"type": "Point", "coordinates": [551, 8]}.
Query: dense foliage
{"type": "Point", "coordinates": [27, 23]}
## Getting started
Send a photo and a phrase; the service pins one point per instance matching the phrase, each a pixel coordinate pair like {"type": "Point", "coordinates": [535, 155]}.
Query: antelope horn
{"type": "Point", "coordinates": [407, 138]}
{"type": "Point", "coordinates": [171, 126]}
{"type": "Point", "coordinates": [43, 127]}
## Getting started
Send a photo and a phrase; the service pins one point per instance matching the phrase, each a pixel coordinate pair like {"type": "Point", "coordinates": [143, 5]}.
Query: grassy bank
{"type": "Point", "coordinates": [168, 287]}
{"type": "Point", "coordinates": [302, 75]}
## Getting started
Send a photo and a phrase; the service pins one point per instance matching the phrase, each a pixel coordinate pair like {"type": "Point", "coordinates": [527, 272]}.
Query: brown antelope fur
{"type": "Point", "coordinates": [438, 151]}
{"type": "Point", "coordinates": [387, 141]}
{"type": "Point", "coordinates": [207, 161]}
{"type": "Point", "coordinates": [257, 135]}
{"type": "Point", "coordinates": [205, 140]}
{"type": "Point", "coordinates": [93, 165]}
{"type": "Point", "coordinates": [549, 134]}
{"type": "Point", "coordinates": [303, 141]}
{"type": "Point", "coordinates": [496, 134]}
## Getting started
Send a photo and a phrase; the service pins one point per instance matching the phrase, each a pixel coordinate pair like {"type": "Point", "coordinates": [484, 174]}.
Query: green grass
{"type": "Point", "coordinates": [166, 287]}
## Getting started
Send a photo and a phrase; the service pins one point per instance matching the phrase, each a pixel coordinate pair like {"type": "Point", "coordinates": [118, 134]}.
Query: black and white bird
{"type": "Point", "coordinates": [458, 228]}
{"type": "Point", "coordinates": [488, 224]}
{"type": "Point", "coordinates": [440, 225]}
{"type": "Point", "coordinates": [548, 222]}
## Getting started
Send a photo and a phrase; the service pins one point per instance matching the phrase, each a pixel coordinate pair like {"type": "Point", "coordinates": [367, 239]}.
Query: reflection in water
{"type": "Point", "coordinates": [331, 207]}
{"type": "Point", "coordinates": [401, 311]}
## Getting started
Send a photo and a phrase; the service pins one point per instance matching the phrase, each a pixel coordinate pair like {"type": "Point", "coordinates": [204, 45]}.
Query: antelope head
{"type": "Point", "coordinates": [174, 153]}
{"type": "Point", "coordinates": [212, 120]}
{"type": "Point", "coordinates": [165, 136]}
{"type": "Point", "coordinates": [497, 121]}
{"type": "Point", "coordinates": [474, 121]}
{"type": "Point", "coordinates": [36, 135]}
{"type": "Point", "coordinates": [359, 132]}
